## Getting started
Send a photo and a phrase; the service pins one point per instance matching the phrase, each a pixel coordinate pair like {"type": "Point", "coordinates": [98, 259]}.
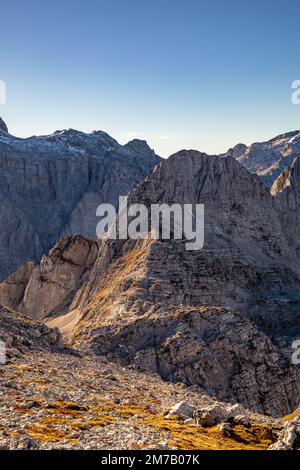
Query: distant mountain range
{"type": "Point", "coordinates": [268, 159]}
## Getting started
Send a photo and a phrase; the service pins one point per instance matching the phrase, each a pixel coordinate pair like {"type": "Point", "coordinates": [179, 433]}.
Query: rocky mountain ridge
{"type": "Point", "coordinates": [268, 159]}
{"type": "Point", "coordinates": [51, 186]}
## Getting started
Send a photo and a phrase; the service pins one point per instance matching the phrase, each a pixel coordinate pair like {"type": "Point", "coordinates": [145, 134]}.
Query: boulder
{"type": "Point", "coordinates": [183, 410]}
{"type": "Point", "coordinates": [210, 415]}
{"type": "Point", "coordinates": [288, 436]}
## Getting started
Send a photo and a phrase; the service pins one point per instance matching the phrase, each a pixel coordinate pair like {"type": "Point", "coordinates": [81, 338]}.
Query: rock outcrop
{"type": "Point", "coordinates": [286, 190]}
{"type": "Point", "coordinates": [48, 289]}
{"type": "Point", "coordinates": [288, 181]}
{"type": "Point", "coordinates": [50, 186]}
{"type": "Point", "coordinates": [13, 288]}
{"type": "Point", "coordinates": [289, 437]}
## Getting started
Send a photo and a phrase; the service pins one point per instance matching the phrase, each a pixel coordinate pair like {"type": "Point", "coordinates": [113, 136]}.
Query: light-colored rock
{"type": "Point", "coordinates": [288, 436]}
{"type": "Point", "coordinates": [12, 289]}
{"type": "Point", "coordinates": [182, 410]}
{"type": "Point", "coordinates": [210, 415]}
{"type": "Point", "coordinates": [34, 389]}
{"type": "Point", "coordinates": [286, 188]}
{"type": "Point", "coordinates": [49, 288]}
{"type": "Point", "coordinates": [235, 410]}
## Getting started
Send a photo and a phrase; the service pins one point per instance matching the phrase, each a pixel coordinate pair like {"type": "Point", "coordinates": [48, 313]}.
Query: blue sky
{"type": "Point", "coordinates": [178, 73]}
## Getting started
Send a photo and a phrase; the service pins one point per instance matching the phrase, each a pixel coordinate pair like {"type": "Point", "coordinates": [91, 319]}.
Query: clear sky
{"type": "Point", "coordinates": [178, 73]}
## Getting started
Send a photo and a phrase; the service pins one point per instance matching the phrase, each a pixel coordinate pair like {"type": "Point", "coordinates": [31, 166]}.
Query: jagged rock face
{"type": "Point", "coordinates": [52, 285]}
{"type": "Point", "coordinates": [289, 437]}
{"type": "Point", "coordinates": [52, 185]}
{"type": "Point", "coordinates": [251, 251]}
{"type": "Point", "coordinates": [288, 180]}
{"type": "Point", "coordinates": [12, 290]}
{"type": "Point", "coordinates": [47, 289]}
{"type": "Point", "coordinates": [237, 151]}
{"type": "Point", "coordinates": [282, 181]}
{"type": "Point", "coordinates": [280, 318]}
{"type": "Point", "coordinates": [3, 126]}
{"type": "Point", "coordinates": [268, 159]}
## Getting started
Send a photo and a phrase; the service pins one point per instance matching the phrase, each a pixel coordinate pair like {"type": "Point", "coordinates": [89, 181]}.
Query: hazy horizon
{"type": "Point", "coordinates": [123, 140]}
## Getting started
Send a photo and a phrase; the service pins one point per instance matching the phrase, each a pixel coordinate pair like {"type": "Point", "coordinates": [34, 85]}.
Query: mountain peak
{"type": "Point", "coordinates": [140, 146]}
{"type": "Point", "coordinates": [3, 126]}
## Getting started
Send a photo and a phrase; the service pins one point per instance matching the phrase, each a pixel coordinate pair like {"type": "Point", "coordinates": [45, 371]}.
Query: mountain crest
{"type": "Point", "coordinates": [268, 159]}
{"type": "Point", "coordinates": [3, 126]}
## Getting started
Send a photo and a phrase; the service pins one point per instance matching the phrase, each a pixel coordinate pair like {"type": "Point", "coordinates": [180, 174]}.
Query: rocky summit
{"type": "Point", "coordinates": [51, 185]}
